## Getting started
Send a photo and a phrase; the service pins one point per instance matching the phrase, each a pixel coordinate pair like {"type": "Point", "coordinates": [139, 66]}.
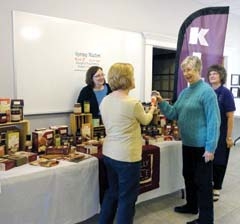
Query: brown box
{"type": "Point", "coordinates": [88, 149]}
{"type": "Point", "coordinates": [42, 139]}
{"type": "Point", "coordinates": [31, 156]}
{"type": "Point", "coordinates": [63, 150]}
{"type": "Point", "coordinates": [63, 129]}
{"type": "Point", "coordinates": [19, 160]}
{"type": "Point", "coordinates": [6, 164]}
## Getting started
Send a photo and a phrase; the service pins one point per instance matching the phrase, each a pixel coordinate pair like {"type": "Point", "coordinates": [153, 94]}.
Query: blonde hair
{"type": "Point", "coordinates": [121, 76]}
{"type": "Point", "coordinates": [194, 62]}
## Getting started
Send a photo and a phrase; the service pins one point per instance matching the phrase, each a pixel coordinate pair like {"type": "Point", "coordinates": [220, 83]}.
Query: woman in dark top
{"type": "Point", "coordinates": [95, 90]}
{"type": "Point", "coordinates": [217, 77]}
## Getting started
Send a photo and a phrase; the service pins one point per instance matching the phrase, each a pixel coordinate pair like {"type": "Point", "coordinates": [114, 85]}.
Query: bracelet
{"type": "Point", "coordinates": [229, 138]}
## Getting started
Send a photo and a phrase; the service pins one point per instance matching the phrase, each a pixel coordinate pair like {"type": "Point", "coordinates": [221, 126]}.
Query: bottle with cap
{"type": "Point", "coordinates": [28, 143]}
{"type": "Point", "coordinates": [57, 138]}
{"type": "Point", "coordinates": [86, 106]}
{"type": "Point", "coordinates": [78, 137]}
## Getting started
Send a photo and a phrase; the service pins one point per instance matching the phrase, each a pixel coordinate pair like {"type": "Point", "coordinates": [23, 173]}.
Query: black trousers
{"type": "Point", "coordinates": [219, 170]}
{"type": "Point", "coordinates": [198, 183]}
{"type": "Point", "coordinates": [218, 176]}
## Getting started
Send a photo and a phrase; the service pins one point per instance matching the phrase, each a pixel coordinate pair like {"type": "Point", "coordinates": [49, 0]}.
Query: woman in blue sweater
{"type": "Point", "coordinates": [197, 113]}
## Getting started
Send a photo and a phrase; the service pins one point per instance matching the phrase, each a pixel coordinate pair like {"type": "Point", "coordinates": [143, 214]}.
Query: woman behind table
{"type": "Point", "coordinates": [95, 90]}
{"type": "Point", "coordinates": [122, 147]}
{"type": "Point", "coordinates": [197, 113]}
{"type": "Point", "coordinates": [217, 77]}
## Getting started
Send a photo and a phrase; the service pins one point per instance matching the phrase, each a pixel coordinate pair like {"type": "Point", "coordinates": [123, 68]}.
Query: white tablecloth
{"type": "Point", "coordinates": [69, 192]}
{"type": "Point", "coordinates": [65, 194]}
{"type": "Point", "coordinates": [171, 179]}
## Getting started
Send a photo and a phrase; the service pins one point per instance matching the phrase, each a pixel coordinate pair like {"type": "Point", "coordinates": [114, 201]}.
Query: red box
{"type": "Point", "coordinates": [42, 139]}
{"type": "Point", "coordinates": [19, 160]}
{"type": "Point", "coordinates": [6, 164]}
{"type": "Point", "coordinates": [62, 150]}
{"type": "Point", "coordinates": [63, 129]}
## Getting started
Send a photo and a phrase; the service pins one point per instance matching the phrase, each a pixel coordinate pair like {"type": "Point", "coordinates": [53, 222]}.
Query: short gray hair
{"type": "Point", "coordinates": [194, 61]}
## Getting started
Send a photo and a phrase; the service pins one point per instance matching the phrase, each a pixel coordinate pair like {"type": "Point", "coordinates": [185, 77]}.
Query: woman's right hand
{"type": "Point", "coordinates": [157, 96]}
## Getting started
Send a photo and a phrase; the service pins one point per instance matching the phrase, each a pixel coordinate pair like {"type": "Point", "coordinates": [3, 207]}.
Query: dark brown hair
{"type": "Point", "coordinates": [90, 73]}
{"type": "Point", "coordinates": [220, 70]}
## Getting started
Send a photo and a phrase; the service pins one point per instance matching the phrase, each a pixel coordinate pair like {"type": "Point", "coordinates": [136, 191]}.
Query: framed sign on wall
{"type": "Point", "coordinates": [235, 80]}
{"type": "Point", "coordinates": [235, 91]}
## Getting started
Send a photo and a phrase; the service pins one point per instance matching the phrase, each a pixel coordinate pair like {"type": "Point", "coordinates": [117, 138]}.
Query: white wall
{"type": "Point", "coordinates": [159, 20]}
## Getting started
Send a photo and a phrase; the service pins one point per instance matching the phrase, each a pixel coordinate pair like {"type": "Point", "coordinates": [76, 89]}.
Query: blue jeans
{"type": "Point", "coordinates": [121, 195]}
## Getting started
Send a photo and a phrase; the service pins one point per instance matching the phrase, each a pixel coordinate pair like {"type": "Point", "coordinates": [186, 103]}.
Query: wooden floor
{"type": "Point", "coordinates": [160, 210]}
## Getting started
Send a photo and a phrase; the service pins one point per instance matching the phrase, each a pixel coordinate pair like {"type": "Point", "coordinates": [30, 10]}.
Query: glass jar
{"type": "Point", "coordinates": [86, 106]}
{"type": "Point", "coordinates": [3, 118]}
{"type": "Point", "coordinates": [77, 109]}
{"type": "Point", "coordinates": [15, 115]}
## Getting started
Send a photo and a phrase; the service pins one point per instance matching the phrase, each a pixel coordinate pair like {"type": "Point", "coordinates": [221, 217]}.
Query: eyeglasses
{"type": "Point", "coordinates": [98, 76]}
{"type": "Point", "coordinates": [213, 73]}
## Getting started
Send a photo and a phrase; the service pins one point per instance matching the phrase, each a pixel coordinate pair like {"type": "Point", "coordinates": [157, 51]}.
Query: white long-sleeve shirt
{"type": "Point", "coordinates": [122, 117]}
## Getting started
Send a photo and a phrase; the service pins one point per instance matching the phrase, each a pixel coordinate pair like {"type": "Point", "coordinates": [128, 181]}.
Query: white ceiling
{"type": "Point", "coordinates": [234, 4]}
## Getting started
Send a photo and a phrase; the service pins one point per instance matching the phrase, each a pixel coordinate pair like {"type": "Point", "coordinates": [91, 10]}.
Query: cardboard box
{"type": "Point", "coordinates": [2, 150]}
{"type": "Point", "coordinates": [86, 131]}
{"type": "Point", "coordinates": [62, 129]}
{"type": "Point", "coordinates": [19, 160]}
{"type": "Point", "coordinates": [62, 150]}
{"type": "Point", "coordinates": [6, 164]}
{"type": "Point", "coordinates": [5, 106]}
{"type": "Point", "coordinates": [31, 156]}
{"type": "Point", "coordinates": [88, 149]}
{"type": "Point", "coordinates": [41, 139]}
{"type": "Point", "coordinates": [12, 141]}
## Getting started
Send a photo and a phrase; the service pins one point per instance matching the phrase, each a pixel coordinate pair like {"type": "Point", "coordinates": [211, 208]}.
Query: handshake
{"type": "Point", "coordinates": [155, 97]}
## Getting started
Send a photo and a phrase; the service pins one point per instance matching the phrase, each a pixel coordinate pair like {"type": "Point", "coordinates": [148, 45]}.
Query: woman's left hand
{"type": "Point", "coordinates": [229, 142]}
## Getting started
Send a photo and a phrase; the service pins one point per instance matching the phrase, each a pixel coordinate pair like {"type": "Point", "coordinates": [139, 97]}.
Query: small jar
{"type": "Point", "coordinates": [86, 106]}
{"type": "Point", "coordinates": [15, 115]}
{"type": "Point", "coordinates": [77, 109]}
{"type": "Point", "coordinates": [3, 118]}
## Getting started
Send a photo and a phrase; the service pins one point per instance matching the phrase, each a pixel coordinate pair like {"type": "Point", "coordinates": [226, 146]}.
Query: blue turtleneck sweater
{"type": "Point", "coordinates": [197, 113]}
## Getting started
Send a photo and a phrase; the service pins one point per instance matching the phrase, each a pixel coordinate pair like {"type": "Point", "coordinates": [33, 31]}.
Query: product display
{"type": "Point", "coordinates": [29, 155]}
{"type": "Point", "coordinates": [3, 118]}
{"type": "Point", "coordinates": [6, 164]}
{"type": "Point", "coordinates": [15, 114]}
{"type": "Point", "coordinates": [86, 107]}
{"type": "Point", "coordinates": [77, 109]}
{"type": "Point", "coordinates": [18, 159]}
{"type": "Point", "coordinates": [5, 105]}
{"type": "Point", "coordinates": [42, 138]}
{"type": "Point", "coordinates": [45, 162]}
{"type": "Point", "coordinates": [12, 141]}
{"type": "Point", "coordinates": [17, 109]}
{"type": "Point", "coordinates": [28, 143]}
